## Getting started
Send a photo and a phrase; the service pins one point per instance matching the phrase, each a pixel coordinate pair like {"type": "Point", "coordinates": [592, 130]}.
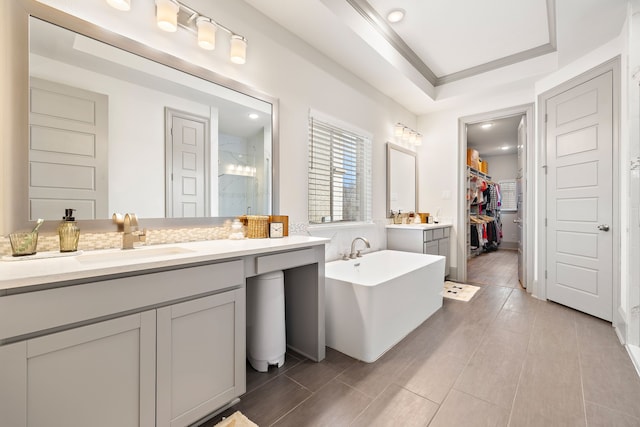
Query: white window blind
{"type": "Point", "coordinates": [339, 174]}
{"type": "Point", "coordinates": [509, 196]}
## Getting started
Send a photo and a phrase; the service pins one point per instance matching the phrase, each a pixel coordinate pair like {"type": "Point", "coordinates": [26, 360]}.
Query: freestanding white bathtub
{"type": "Point", "coordinates": [373, 302]}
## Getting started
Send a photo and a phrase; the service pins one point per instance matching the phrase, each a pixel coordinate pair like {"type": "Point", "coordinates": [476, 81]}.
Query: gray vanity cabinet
{"type": "Point", "coordinates": [198, 366]}
{"type": "Point", "coordinates": [181, 357]}
{"type": "Point", "coordinates": [434, 241]}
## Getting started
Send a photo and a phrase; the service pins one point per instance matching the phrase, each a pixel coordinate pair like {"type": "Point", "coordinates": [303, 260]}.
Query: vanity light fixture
{"type": "Point", "coordinates": [238, 52]}
{"type": "Point", "coordinates": [405, 134]}
{"type": "Point", "coordinates": [120, 4]}
{"type": "Point", "coordinates": [167, 15]}
{"type": "Point", "coordinates": [171, 14]}
{"type": "Point", "coordinates": [206, 33]}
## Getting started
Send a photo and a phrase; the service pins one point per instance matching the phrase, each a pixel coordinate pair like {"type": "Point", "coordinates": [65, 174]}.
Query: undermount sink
{"type": "Point", "coordinates": [131, 254]}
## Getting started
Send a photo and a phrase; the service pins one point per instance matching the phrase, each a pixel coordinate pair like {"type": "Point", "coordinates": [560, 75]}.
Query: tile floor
{"type": "Point", "coordinates": [502, 359]}
{"type": "Point", "coordinates": [494, 268]}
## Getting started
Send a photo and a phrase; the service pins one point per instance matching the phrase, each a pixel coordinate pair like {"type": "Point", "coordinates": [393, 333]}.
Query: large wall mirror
{"type": "Point", "coordinates": [116, 126]}
{"type": "Point", "coordinates": [402, 179]}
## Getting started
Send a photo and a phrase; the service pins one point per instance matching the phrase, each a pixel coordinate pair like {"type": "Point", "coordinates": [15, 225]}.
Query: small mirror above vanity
{"type": "Point", "coordinates": [402, 179]}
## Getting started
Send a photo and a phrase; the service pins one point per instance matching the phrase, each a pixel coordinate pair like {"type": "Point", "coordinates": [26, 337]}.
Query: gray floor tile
{"type": "Point", "coordinates": [515, 321]}
{"type": "Point", "coordinates": [373, 378]}
{"type": "Point", "coordinates": [270, 402]}
{"type": "Point", "coordinates": [397, 406]}
{"type": "Point", "coordinates": [461, 409]}
{"type": "Point", "coordinates": [596, 335]}
{"type": "Point", "coordinates": [549, 393]}
{"type": "Point", "coordinates": [312, 375]}
{"type": "Point", "coordinates": [336, 404]}
{"type": "Point", "coordinates": [599, 416]}
{"type": "Point", "coordinates": [610, 380]}
{"type": "Point", "coordinates": [433, 376]}
{"type": "Point", "coordinates": [493, 372]}
{"type": "Point", "coordinates": [521, 302]}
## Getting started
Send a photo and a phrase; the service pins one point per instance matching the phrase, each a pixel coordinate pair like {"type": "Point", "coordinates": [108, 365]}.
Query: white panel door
{"type": "Point", "coordinates": [579, 197]}
{"type": "Point", "coordinates": [67, 151]}
{"type": "Point", "coordinates": [187, 165]}
{"type": "Point", "coordinates": [201, 357]}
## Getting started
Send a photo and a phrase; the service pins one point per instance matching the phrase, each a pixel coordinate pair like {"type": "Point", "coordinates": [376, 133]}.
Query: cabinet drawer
{"type": "Point", "coordinates": [428, 235]}
{"type": "Point", "coordinates": [431, 248]}
{"type": "Point", "coordinates": [284, 260]}
{"type": "Point", "coordinates": [438, 233]}
{"type": "Point", "coordinates": [446, 231]}
{"type": "Point", "coordinates": [33, 312]}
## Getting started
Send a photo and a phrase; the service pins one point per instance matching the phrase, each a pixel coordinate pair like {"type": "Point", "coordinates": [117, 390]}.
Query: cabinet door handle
{"type": "Point", "coordinates": [603, 227]}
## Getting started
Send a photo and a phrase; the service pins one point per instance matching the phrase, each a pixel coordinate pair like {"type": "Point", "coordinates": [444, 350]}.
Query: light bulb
{"type": "Point", "coordinates": [206, 33]}
{"type": "Point", "coordinates": [397, 131]}
{"type": "Point", "coordinates": [418, 140]}
{"type": "Point", "coordinates": [167, 15]}
{"type": "Point", "coordinates": [406, 134]}
{"type": "Point", "coordinates": [238, 51]}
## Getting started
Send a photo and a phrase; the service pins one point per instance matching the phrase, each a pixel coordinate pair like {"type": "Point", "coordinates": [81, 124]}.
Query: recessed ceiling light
{"type": "Point", "coordinates": [396, 15]}
{"type": "Point", "coordinates": [504, 147]}
{"type": "Point", "coordinates": [253, 116]}
{"type": "Point", "coordinates": [486, 125]}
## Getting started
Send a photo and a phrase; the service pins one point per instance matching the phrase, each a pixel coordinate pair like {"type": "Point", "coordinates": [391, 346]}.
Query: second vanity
{"type": "Point", "coordinates": [153, 336]}
{"type": "Point", "coordinates": [423, 238]}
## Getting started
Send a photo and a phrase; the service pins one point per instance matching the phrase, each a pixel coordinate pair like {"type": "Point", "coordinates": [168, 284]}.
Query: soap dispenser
{"type": "Point", "coordinates": [69, 232]}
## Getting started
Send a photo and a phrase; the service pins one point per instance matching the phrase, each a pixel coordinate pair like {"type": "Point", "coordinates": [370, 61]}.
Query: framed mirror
{"type": "Point", "coordinates": [402, 179]}
{"type": "Point", "coordinates": [117, 126]}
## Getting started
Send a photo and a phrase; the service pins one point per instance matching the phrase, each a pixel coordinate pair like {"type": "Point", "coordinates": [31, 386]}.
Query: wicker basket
{"type": "Point", "coordinates": [257, 226]}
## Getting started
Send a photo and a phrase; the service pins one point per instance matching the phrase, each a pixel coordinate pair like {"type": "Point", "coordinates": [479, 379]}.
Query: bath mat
{"type": "Point", "coordinates": [458, 291]}
{"type": "Point", "coordinates": [237, 419]}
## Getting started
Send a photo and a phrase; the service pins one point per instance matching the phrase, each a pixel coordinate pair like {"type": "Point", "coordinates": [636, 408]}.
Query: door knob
{"type": "Point", "coordinates": [603, 227]}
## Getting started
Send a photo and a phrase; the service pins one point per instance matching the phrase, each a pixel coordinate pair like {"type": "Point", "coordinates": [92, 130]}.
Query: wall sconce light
{"type": "Point", "coordinates": [206, 33]}
{"type": "Point", "coordinates": [167, 15]}
{"type": "Point", "coordinates": [407, 135]}
{"type": "Point", "coordinates": [171, 14]}
{"type": "Point", "coordinates": [120, 4]}
{"type": "Point", "coordinates": [238, 52]}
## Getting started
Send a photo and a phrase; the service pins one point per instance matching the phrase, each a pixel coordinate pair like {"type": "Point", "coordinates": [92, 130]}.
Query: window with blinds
{"type": "Point", "coordinates": [509, 195]}
{"type": "Point", "coordinates": [339, 174]}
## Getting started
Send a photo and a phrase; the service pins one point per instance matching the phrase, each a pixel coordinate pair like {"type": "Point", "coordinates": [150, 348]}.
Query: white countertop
{"type": "Point", "coordinates": [421, 225]}
{"type": "Point", "coordinates": [17, 275]}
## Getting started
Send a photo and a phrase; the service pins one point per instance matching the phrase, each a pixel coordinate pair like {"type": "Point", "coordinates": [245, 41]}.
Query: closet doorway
{"type": "Point", "coordinates": [493, 176]}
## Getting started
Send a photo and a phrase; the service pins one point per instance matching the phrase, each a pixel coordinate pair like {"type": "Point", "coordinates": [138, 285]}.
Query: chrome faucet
{"type": "Point", "coordinates": [129, 224]}
{"type": "Point", "coordinates": [355, 254]}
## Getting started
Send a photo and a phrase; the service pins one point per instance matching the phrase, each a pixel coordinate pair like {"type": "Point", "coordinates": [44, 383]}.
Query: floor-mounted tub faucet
{"type": "Point", "coordinates": [355, 254]}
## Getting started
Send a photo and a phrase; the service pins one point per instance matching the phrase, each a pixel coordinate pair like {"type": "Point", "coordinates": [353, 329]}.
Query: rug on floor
{"type": "Point", "coordinates": [459, 291]}
{"type": "Point", "coordinates": [237, 419]}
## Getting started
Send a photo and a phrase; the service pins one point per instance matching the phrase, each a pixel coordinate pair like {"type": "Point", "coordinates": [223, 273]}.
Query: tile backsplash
{"type": "Point", "coordinates": [108, 240]}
